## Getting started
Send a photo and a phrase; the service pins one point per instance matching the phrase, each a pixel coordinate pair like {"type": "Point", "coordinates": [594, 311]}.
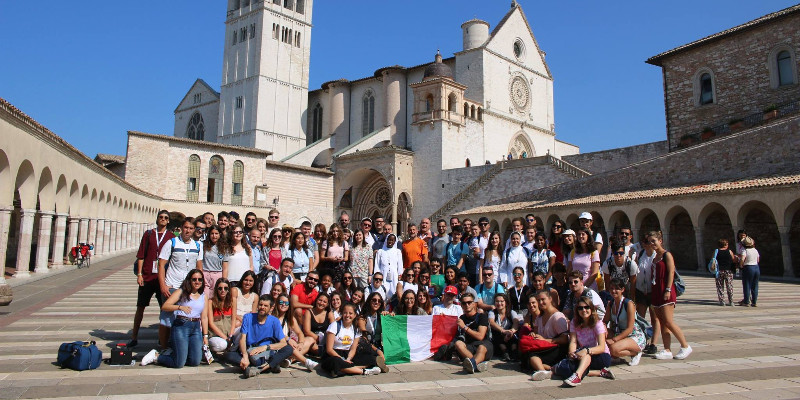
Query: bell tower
{"type": "Point", "coordinates": [264, 90]}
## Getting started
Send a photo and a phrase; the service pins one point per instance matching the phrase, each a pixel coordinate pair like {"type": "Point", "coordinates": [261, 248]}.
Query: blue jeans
{"type": "Point", "coordinates": [186, 342]}
{"type": "Point", "coordinates": [271, 357]}
{"type": "Point", "coordinates": [750, 275]}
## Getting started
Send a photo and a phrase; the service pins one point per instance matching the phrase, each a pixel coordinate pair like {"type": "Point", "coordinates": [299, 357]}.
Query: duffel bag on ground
{"type": "Point", "coordinates": [79, 356]}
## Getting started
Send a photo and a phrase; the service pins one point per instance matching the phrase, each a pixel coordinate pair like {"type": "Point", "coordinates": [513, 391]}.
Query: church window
{"type": "Point", "coordinates": [367, 113]}
{"type": "Point", "coordinates": [197, 98]}
{"type": "Point", "coordinates": [480, 114]}
{"type": "Point", "coordinates": [243, 34]}
{"type": "Point", "coordinates": [275, 28]}
{"type": "Point", "coordinates": [239, 102]}
{"type": "Point", "coordinates": [316, 123]}
{"type": "Point", "coordinates": [297, 39]}
{"type": "Point", "coordinates": [300, 6]}
{"type": "Point", "coordinates": [466, 110]}
{"type": "Point", "coordinates": [472, 112]}
{"type": "Point", "coordinates": [288, 4]}
{"type": "Point", "coordinates": [233, 42]}
{"type": "Point", "coordinates": [238, 178]}
{"type": "Point", "coordinates": [429, 103]}
{"type": "Point", "coordinates": [706, 89]}
{"type": "Point", "coordinates": [196, 129]}
{"type": "Point", "coordinates": [216, 179]}
{"type": "Point", "coordinates": [192, 177]}
{"type": "Point", "coordinates": [785, 73]}
{"type": "Point", "coordinates": [451, 102]}
{"type": "Point", "coordinates": [252, 31]}
{"type": "Point", "coordinates": [519, 49]}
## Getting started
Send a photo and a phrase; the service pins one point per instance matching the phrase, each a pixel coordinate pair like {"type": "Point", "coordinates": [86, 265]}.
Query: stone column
{"type": "Point", "coordinates": [112, 246]}
{"type": "Point", "coordinates": [24, 244]}
{"type": "Point", "coordinates": [5, 222]}
{"type": "Point", "coordinates": [125, 236]}
{"type": "Point", "coordinates": [92, 237]}
{"type": "Point", "coordinates": [83, 230]}
{"type": "Point", "coordinates": [72, 238]}
{"type": "Point", "coordinates": [43, 242]}
{"type": "Point", "coordinates": [99, 236]}
{"type": "Point", "coordinates": [394, 218]}
{"type": "Point", "coordinates": [788, 271]}
{"type": "Point", "coordinates": [701, 256]}
{"type": "Point", "coordinates": [107, 237]}
{"type": "Point", "coordinates": [58, 243]}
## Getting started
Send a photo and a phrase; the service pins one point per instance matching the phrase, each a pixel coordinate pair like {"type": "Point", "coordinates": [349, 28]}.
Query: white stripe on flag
{"type": "Point", "coordinates": [419, 330]}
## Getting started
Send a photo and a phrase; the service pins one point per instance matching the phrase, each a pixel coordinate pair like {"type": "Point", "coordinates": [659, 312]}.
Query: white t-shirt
{"type": "Point", "coordinates": [345, 338]}
{"type": "Point", "coordinates": [180, 261]}
{"type": "Point", "coordinates": [454, 310]}
{"type": "Point", "coordinates": [275, 278]}
{"type": "Point", "coordinates": [238, 264]}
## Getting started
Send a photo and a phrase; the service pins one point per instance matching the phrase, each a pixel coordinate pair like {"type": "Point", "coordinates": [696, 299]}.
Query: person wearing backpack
{"type": "Point", "coordinates": [487, 290]}
{"type": "Point", "coordinates": [725, 266]}
{"type": "Point", "coordinates": [620, 266]}
{"type": "Point", "coordinates": [343, 355]}
{"type": "Point", "coordinates": [178, 256]}
{"type": "Point", "coordinates": [664, 298]}
{"type": "Point", "coordinates": [625, 337]}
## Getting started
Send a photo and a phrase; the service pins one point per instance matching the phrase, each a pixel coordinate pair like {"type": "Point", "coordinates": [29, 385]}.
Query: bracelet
{"type": "Point", "coordinates": [139, 275]}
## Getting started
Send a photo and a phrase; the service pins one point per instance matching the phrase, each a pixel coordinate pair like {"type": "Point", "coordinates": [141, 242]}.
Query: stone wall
{"type": "Point", "coordinates": [456, 179]}
{"type": "Point", "coordinates": [764, 151]}
{"type": "Point", "coordinates": [607, 160]}
{"type": "Point", "coordinates": [740, 65]}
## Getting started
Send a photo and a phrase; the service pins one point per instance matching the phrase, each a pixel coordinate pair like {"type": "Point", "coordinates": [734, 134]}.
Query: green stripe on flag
{"type": "Point", "coordinates": [395, 341]}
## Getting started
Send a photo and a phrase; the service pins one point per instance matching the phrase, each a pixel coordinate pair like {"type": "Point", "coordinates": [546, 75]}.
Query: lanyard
{"type": "Point", "coordinates": [518, 293]}
{"type": "Point", "coordinates": [160, 239]}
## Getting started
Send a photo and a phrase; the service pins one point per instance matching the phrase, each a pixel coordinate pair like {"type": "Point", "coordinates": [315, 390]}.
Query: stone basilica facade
{"type": "Point", "coordinates": [400, 142]}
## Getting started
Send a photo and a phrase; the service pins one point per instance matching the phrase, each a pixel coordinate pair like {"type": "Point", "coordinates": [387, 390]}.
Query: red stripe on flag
{"type": "Point", "coordinates": [443, 330]}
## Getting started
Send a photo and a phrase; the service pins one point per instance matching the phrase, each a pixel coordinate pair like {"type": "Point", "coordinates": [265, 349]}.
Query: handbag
{"type": "Point", "coordinates": [528, 344]}
{"type": "Point", "coordinates": [680, 286]}
{"type": "Point", "coordinates": [79, 356]}
{"type": "Point", "coordinates": [712, 264]}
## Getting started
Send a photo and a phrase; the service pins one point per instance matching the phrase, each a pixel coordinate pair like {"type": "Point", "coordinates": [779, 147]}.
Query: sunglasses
{"type": "Point", "coordinates": [250, 219]}
{"type": "Point", "coordinates": [556, 226]}
{"type": "Point", "coordinates": [223, 289]}
{"type": "Point", "coordinates": [310, 279]}
{"type": "Point", "coordinates": [410, 275]}
{"type": "Point", "coordinates": [582, 308]}
{"type": "Point", "coordinates": [273, 217]}
{"type": "Point", "coordinates": [283, 303]}
{"type": "Point", "coordinates": [466, 303]}
{"type": "Point", "coordinates": [238, 232]}
{"type": "Point", "coordinates": [375, 300]}
{"type": "Point", "coordinates": [425, 276]}
{"type": "Point", "coordinates": [531, 219]}
{"type": "Point", "coordinates": [517, 274]}
{"type": "Point", "coordinates": [163, 217]}
{"type": "Point", "coordinates": [348, 277]}
{"type": "Point", "coordinates": [574, 281]}
{"type": "Point", "coordinates": [276, 236]}
{"type": "Point", "coordinates": [487, 274]}
{"type": "Point", "coordinates": [484, 223]}
{"type": "Point", "coordinates": [624, 233]}
{"type": "Point", "coordinates": [377, 279]}
{"type": "Point", "coordinates": [199, 229]}
{"type": "Point", "coordinates": [197, 279]}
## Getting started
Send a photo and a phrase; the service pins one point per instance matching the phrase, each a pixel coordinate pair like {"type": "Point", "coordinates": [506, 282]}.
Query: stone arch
{"type": "Point", "coordinates": [92, 201]}
{"type": "Point", "coordinates": [46, 191]}
{"type": "Point", "coordinates": [494, 226]}
{"type": "Point", "coordinates": [404, 206]}
{"type": "Point", "coordinates": [373, 196]}
{"type": "Point", "coordinates": [175, 219]}
{"type": "Point", "coordinates": [572, 222]}
{"type": "Point", "coordinates": [25, 185]}
{"type": "Point", "coordinates": [451, 102]}
{"type": "Point", "coordinates": [505, 228]}
{"type": "Point", "coordinates": [618, 220]}
{"type": "Point", "coordinates": [759, 221]}
{"type": "Point", "coordinates": [466, 109]}
{"type": "Point", "coordinates": [62, 195]}
{"type": "Point", "coordinates": [84, 206]}
{"type": "Point", "coordinates": [520, 145]}
{"type": "Point", "coordinates": [646, 220]}
{"type": "Point", "coordinates": [6, 196]}
{"type": "Point", "coordinates": [74, 198]}
{"type": "Point", "coordinates": [792, 222]}
{"type": "Point", "coordinates": [682, 240]}
{"type": "Point", "coordinates": [551, 219]}
{"type": "Point", "coordinates": [715, 224]}
{"type": "Point", "coordinates": [323, 159]}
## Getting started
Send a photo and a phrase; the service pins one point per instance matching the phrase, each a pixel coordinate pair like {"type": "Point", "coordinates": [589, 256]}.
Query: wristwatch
{"type": "Point", "coordinates": [669, 289]}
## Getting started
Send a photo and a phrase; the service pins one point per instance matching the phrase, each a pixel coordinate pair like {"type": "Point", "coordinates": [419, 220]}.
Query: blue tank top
{"type": "Point", "coordinates": [197, 307]}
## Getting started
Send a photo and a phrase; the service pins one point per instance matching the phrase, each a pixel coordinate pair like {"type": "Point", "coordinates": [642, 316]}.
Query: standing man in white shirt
{"type": "Point", "coordinates": [585, 219]}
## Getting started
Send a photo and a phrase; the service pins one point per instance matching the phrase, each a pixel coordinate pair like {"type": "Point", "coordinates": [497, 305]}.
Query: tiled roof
{"type": "Point", "coordinates": [656, 60]}
{"type": "Point", "coordinates": [109, 158]}
{"type": "Point", "coordinates": [202, 143]}
{"type": "Point", "coordinates": [638, 195]}
{"type": "Point", "coordinates": [377, 150]}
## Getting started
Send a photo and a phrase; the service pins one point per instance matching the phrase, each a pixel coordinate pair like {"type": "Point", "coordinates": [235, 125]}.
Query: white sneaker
{"type": "Point", "coordinates": [683, 353]}
{"type": "Point", "coordinates": [664, 355]}
{"type": "Point", "coordinates": [311, 364]}
{"type": "Point", "coordinates": [541, 375]}
{"type": "Point", "coordinates": [372, 371]}
{"type": "Point", "coordinates": [150, 357]}
{"type": "Point", "coordinates": [635, 359]}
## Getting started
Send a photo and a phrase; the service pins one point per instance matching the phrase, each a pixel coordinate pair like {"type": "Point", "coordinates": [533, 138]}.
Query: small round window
{"type": "Point", "coordinates": [519, 49]}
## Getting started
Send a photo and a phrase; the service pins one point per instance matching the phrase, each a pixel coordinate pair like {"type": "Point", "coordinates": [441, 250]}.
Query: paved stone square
{"type": "Point", "coordinates": [739, 353]}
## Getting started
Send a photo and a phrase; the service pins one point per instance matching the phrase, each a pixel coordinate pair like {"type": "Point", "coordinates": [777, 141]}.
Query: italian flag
{"type": "Point", "coordinates": [409, 338]}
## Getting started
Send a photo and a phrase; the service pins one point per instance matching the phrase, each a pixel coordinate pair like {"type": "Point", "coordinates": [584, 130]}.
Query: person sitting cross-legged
{"type": "Point", "coordinates": [472, 341]}
{"type": "Point", "coordinates": [262, 345]}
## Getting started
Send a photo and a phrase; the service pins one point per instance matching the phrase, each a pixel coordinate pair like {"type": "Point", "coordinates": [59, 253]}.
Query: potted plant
{"type": "Point", "coordinates": [687, 140]}
{"type": "Point", "coordinates": [707, 134]}
{"type": "Point", "coordinates": [736, 124]}
{"type": "Point", "coordinates": [770, 112]}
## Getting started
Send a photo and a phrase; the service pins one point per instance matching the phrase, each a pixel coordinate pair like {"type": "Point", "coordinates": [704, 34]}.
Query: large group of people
{"type": "Point", "coordinates": [261, 295]}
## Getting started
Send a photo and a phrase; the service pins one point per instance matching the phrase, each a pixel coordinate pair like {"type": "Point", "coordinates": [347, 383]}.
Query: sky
{"type": "Point", "coordinates": [92, 70]}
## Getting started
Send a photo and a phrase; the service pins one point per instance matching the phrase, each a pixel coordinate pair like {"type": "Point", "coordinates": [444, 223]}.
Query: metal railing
{"type": "Point", "coordinates": [567, 167]}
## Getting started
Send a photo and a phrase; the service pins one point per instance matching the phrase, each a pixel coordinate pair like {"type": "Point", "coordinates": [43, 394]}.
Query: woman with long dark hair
{"type": "Point", "coordinates": [585, 258]}
{"type": "Point", "coordinates": [214, 250]}
{"type": "Point", "coordinates": [272, 250]}
{"type": "Point", "coordinates": [302, 256]}
{"type": "Point", "coordinates": [190, 325]}
{"type": "Point", "coordinates": [315, 321]}
{"type": "Point", "coordinates": [587, 344]}
{"type": "Point", "coordinates": [334, 254]}
{"type": "Point", "coordinates": [245, 298]}
{"type": "Point", "coordinates": [291, 330]}
{"type": "Point", "coordinates": [407, 304]}
{"type": "Point", "coordinates": [342, 355]}
{"type": "Point", "coordinates": [504, 323]}
{"type": "Point", "coordinates": [493, 254]}
{"type": "Point", "coordinates": [222, 323]}
{"type": "Point", "coordinates": [239, 256]}
{"type": "Point", "coordinates": [555, 238]}
{"type": "Point", "coordinates": [663, 298]}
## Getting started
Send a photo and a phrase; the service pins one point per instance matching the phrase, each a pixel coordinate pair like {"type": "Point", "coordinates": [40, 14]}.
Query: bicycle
{"type": "Point", "coordinates": [82, 254]}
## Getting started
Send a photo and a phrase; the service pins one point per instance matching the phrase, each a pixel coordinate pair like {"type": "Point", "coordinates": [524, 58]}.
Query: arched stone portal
{"type": "Point", "coordinates": [519, 146]}
{"type": "Point", "coordinates": [759, 223]}
{"type": "Point", "coordinates": [373, 198]}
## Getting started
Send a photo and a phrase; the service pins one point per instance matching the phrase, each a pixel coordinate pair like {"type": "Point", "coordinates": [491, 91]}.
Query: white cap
{"type": "Point", "coordinates": [568, 232]}
{"type": "Point", "coordinates": [585, 215]}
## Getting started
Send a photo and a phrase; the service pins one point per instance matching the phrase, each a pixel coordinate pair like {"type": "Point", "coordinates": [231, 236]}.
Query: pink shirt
{"type": "Point", "coordinates": [587, 337]}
